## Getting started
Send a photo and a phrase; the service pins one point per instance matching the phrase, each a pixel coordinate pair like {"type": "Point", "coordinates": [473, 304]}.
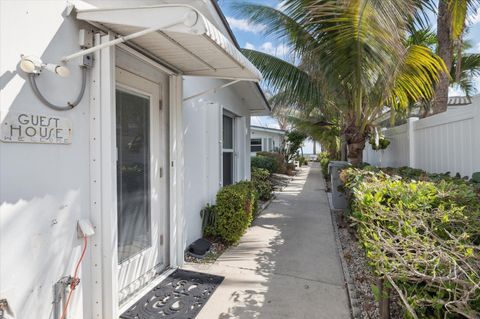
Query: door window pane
{"type": "Point", "coordinates": [227, 132]}
{"type": "Point", "coordinates": [227, 168]}
{"type": "Point", "coordinates": [133, 173]}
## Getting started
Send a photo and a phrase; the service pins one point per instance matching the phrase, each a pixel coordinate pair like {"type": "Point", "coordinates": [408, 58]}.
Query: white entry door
{"type": "Point", "coordinates": [141, 190]}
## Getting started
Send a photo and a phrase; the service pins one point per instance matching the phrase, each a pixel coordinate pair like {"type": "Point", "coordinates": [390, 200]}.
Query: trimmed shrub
{"type": "Point", "coordinates": [264, 162]}
{"type": "Point", "coordinates": [324, 160]}
{"type": "Point", "coordinates": [421, 233]}
{"type": "Point", "coordinates": [302, 161]}
{"type": "Point", "coordinates": [262, 183]}
{"type": "Point", "coordinates": [279, 159]}
{"type": "Point", "coordinates": [234, 210]}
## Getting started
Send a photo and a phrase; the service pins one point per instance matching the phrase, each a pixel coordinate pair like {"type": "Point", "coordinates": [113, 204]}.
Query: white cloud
{"type": "Point", "coordinates": [281, 50]}
{"type": "Point", "coordinates": [245, 25]}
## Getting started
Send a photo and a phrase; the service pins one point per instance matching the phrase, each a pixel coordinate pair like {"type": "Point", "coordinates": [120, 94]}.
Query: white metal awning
{"type": "Point", "coordinates": [179, 35]}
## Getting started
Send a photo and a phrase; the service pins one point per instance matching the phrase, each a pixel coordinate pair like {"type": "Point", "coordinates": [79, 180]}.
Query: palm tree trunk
{"type": "Point", "coordinates": [445, 51]}
{"type": "Point", "coordinates": [355, 140]}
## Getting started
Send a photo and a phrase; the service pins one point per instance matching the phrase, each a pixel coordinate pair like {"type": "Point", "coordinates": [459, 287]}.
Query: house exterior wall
{"type": "Point", "coordinates": [203, 148]}
{"type": "Point", "coordinates": [277, 138]}
{"type": "Point", "coordinates": [43, 188]}
{"type": "Point", "coordinates": [445, 142]}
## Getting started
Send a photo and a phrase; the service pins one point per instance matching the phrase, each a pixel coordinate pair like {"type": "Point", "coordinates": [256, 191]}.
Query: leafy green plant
{"type": "Point", "coordinates": [302, 160]}
{"type": "Point", "coordinates": [234, 210]}
{"type": "Point", "coordinates": [380, 144]}
{"type": "Point", "coordinates": [264, 162]}
{"type": "Point", "coordinates": [208, 220]}
{"type": "Point", "coordinates": [279, 159]}
{"type": "Point", "coordinates": [294, 140]}
{"type": "Point", "coordinates": [324, 160]}
{"type": "Point", "coordinates": [262, 183]}
{"type": "Point", "coordinates": [421, 232]}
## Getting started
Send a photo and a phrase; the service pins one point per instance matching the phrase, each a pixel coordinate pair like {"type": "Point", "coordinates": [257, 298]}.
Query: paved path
{"type": "Point", "coordinates": [286, 265]}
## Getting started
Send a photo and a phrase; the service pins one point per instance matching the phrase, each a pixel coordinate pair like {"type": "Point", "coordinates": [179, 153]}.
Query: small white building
{"type": "Point", "coordinates": [265, 139]}
{"type": "Point", "coordinates": [152, 120]}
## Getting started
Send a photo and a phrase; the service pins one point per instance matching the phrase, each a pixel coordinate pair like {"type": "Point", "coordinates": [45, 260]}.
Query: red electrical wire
{"type": "Point", "coordinates": [75, 279]}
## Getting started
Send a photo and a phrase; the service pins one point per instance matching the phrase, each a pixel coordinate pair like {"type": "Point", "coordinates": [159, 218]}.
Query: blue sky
{"type": "Point", "coordinates": [250, 36]}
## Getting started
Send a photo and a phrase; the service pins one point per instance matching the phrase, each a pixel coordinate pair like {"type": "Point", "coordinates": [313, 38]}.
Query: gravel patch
{"type": "Point", "coordinates": [215, 251]}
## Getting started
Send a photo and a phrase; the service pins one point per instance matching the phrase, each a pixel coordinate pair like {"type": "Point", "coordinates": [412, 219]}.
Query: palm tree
{"type": "Point", "coordinates": [451, 20]}
{"type": "Point", "coordinates": [469, 66]}
{"type": "Point", "coordinates": [353, 58]}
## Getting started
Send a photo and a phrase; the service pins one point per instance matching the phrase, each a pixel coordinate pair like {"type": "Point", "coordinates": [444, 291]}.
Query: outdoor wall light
{"type": "Point", "coordinates": [30, 64]}
{"type": "Point", "coordinates": [33, 65]}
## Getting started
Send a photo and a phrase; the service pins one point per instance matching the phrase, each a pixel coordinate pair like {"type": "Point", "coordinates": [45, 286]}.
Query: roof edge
{"type": "Point", "coordinates": [234, 39]}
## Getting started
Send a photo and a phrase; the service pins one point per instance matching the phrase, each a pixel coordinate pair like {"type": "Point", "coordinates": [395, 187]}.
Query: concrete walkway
{"type": "Point", "coordinates": [286, 265]}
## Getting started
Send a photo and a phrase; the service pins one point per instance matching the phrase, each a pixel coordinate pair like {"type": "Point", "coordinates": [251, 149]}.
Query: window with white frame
{"type": "Point", "coordinates": [228, 149]}
{"type": "Point", "coordinates": [256, 145]}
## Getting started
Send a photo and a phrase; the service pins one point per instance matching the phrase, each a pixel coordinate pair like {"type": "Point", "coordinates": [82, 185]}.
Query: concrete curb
{"type": "Point", "coordinates": [349, 284]}
{"type": "Point", "coordinates": [266, 204]}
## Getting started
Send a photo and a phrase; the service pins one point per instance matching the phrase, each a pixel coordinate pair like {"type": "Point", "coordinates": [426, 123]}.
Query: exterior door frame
{"type": "Point", "coordinates": [102, 275]}
{"type": "Point", "coordinates": [129, 82]}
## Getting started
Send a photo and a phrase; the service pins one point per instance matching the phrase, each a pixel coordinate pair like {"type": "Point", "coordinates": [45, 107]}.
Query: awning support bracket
{"type": "Point", "coordinates": [187, 20]}
{"type": "Point", "coordinates": [212, 90]}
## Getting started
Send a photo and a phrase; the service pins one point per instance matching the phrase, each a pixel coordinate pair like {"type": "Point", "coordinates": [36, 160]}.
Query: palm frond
{"type": "Point", "coordinates": [298, 86]}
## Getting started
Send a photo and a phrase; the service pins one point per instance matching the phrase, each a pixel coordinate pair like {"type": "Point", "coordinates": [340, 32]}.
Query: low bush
{"type": "Point", "coordinates": [421, 233]}
{"type": "Point", "coordinates": [236, 204]}
{"type": "Point", "coordinates": [324, 160]}
{"type": "Point", "coordinates": [279, 159]}
{"type": "Point", "coordinates": [264, 162]}
{"type": "Point", "coordinates": [262, 183]}
{"type": "Point", "coordinates": [302, 161]}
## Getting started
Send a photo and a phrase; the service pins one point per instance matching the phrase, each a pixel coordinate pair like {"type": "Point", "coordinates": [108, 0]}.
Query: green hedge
{"type": "Point", "coordinates": [262, 183]}
{"type": "Point", "coordinates": [265, 162]}
{"type": "Point", "coordinates": [236, 204]}
{"type": "Point", "coordinates": [421, 233]}
{"type": "Point", "coordinates": [281, 166]}
{"type": "Point", "coordinates": [324, 160]}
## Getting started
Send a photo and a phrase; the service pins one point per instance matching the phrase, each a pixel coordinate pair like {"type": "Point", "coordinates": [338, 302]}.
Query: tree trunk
{"type": "Point", "coordinates": [355, 141]}
{"type": "Point", "coordinates": [445, 51]}
{"type": "Point", "coordinates": [314, 147]}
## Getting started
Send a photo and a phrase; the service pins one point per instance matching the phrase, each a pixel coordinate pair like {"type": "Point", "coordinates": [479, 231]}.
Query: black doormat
{"type": "Point", "coordinates": [180, 296]}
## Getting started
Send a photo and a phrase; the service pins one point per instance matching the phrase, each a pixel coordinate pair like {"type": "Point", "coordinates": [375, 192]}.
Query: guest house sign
{"type": "Point", "coordinates": [34, 128]}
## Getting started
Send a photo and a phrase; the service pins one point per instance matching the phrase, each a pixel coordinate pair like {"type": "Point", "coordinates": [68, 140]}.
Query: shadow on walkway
{"type": "Point", "coordinates": [286, 265]}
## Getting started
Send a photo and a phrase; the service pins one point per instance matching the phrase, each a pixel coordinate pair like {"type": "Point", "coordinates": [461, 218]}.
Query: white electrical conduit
{"type": "Point", "coordinates": [70, 105]}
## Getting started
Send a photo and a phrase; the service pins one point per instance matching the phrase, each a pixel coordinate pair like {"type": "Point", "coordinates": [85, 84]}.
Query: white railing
{"type": "Point", "coordinates": [447, 142]}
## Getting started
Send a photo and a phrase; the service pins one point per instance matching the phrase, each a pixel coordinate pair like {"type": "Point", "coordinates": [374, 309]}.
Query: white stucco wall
{"type": "Point", "coordinates": [203, 134]}
{"type": "Point", "coordinates": [42, 187]}
{"type": "Point", "coordinates": [45, 189]}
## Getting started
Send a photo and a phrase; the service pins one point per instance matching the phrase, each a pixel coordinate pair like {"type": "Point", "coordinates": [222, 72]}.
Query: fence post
{"type": "Point", "coordinates": [411, 140]}
{"type": "Point", "coordinates": [476, 132]}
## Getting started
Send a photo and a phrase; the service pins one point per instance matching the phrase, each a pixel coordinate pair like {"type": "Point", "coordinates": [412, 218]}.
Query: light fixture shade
{"type": "Point", "coordinates": [60, 70]}
{"type": "Point", "coordinates": [30, 64]}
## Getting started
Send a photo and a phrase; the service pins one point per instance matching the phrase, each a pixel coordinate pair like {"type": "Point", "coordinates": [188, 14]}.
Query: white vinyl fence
{"type": "Point", "coordinates": [447, 142]}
